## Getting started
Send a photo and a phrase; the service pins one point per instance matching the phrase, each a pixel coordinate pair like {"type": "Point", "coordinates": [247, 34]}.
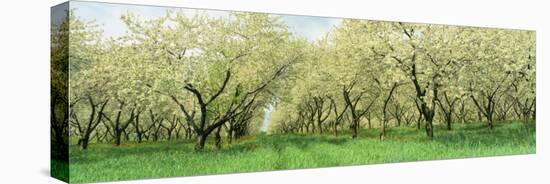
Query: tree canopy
{"type": "Point", "coordinates": [198, 76]}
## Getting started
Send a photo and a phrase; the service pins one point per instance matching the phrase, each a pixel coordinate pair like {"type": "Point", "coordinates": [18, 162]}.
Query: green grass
{"type": "Point", "coordinates": [59, 170]}
{"type": "Point", "coordinates": [103, 162]}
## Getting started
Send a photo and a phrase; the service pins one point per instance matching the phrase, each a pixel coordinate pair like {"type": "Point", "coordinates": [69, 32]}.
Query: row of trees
{"type": "Point", "coordinates": [191, 77]}
{"type": "Point", "coordinates": [175, 76]}
{"type": "Point", "coordinates": [410, 74]}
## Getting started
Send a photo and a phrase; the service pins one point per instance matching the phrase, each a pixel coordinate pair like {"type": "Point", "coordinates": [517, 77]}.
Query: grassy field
{"type": "Point", "coordinates": [104, 162]}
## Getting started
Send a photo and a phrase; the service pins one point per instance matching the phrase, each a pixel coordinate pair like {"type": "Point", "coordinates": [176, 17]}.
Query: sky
{"type": "Point", "coordinates": [108, 17]}
{"type": "Point", "coordinates": [58, 13]}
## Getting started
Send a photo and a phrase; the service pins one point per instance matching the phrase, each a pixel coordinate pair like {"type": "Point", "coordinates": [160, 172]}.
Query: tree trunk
{"type": "Point", "coordinates": [428, 115]}
{"type": "Point", "coordinates": [383, 123]}
{"type": "Point", "coordinates": [354, 122]}
{"type": "Point", "coordinates": [139, 132]}
{"type": "Point", "coordinates": [384, 111]}
{"type": "Point", "coordinates": [429, 126]}
{"type": "Point", "coordinates": [201, 140]}
{"type": "Point", "coordinates": [490, 121]}
{"type": "Point", "coordinates": [126, 135]}
{"type": "Point", "coordinates": [449, 119]}
{"type": "Point", "coordinates": [383, 130]}
{"type": "Point", "coordinates": [84, 142]}
{"type": "Point", "coordinates": [139, 137]}
{"type": "Point", "coordinates": [336, 129]}
{"type": "Point", "coordinates": [118, 138]}
{"type": "Point", "coordinates": [429, 130]}
{"type": "Point", "coordinates": [188, 133]}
